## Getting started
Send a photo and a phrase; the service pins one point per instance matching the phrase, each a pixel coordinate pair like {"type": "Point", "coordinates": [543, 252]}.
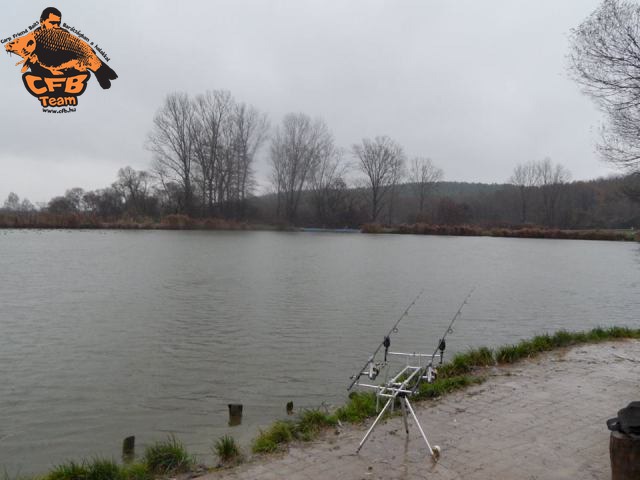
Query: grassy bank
{"type": "Point", "coordinates": [161, 459]}
{"type": "Point", "coordinates": [527, 232]}
{"type": "Point", "coordinates": [463, 370]}
{"type": "Point", "coordinates": [169, 457]}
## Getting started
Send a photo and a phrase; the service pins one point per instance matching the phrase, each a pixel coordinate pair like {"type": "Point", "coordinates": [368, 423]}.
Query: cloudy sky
{"type": "Point", "coordinates": [478, 86]}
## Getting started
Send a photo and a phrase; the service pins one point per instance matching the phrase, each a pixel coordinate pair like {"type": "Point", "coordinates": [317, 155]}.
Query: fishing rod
{"type": "Point", "coordinates": [386, 343]}
{"type": "Point", "coordinates": [442, 344]}
{"type": "Point", "coordinates": [429, 370]}
{"type": "Point", "coordinates": [405, 383]}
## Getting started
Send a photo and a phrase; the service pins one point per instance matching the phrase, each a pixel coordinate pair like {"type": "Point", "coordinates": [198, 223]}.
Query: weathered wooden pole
{"type": "Point", "coordinates": [624, 451]}
{"type": "Point", "coordinates": [235, 414]}
{"type": "Point", "coordinates": [128, 449]}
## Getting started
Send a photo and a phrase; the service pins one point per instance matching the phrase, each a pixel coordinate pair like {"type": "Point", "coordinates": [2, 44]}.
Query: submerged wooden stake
{"type": "Point", "coordinates": [128, 449]}
{"type": "Point", "coordinates": [235, 414]}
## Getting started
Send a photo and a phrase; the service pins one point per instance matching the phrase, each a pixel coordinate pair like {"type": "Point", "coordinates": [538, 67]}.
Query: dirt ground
{"type": "Point", "coordinates": [540, 419]}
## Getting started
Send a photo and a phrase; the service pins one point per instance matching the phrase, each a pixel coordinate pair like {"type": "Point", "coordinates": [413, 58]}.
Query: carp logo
{"type": "Point", "coordinates": [56, 64]}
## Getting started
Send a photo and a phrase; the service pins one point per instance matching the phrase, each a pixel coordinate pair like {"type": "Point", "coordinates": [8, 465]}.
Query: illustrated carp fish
{"type": "Point", "coordinates": [59, 51]}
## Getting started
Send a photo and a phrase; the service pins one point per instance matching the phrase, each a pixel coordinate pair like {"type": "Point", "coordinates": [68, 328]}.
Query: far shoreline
{"type": "Point", "coordinates": [46, 221]}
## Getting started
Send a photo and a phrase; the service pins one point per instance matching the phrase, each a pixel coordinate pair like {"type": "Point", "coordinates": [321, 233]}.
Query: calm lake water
{"type": "Point", "coordinates": [106, 334]}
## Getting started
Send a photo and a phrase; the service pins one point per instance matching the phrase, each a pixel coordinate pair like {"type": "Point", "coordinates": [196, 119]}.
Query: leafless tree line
{"type": "Point", "coordinates": [603, 203]}
{"type": "Point", "coordinates": [204, 150]}
{"type": "Point", "coordinates": [13, 204]}
{"type": "Point", "coordinates": [304, 157]}
{"type": "Point", "coordinates": [542, 178]}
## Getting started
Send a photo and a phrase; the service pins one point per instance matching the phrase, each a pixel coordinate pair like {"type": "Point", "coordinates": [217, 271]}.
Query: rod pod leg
{"type": "Point", "coordinates": [435, 451]}
{"type": "Point", "coordinates": [366, 435]}
{"type": "Point", "coordinates": [404, 414]}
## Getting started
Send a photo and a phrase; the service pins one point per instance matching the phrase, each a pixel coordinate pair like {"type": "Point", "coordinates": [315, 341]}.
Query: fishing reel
{"type": "Point", "coordinates": [374, 369]}
{"type": "Point", "coordinates": [371, 370]}
{"type": "Point", "coordinates": [431, 375]}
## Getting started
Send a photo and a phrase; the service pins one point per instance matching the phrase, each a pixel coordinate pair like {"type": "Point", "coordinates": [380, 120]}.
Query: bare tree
{"type": "Point", "coordinates": [26, 205]}
{"type": "Point", "coordinates": [172, 143]}
{"type": "Point", "coordinates": [423, 175]}
{"type": "Point", "coordinates": [525, 176]}
{"type": "Point", "coordinates": [227, 136]}
{"type": "Point", "coordinates": [134, 186]}
{"type": "Point", "coordinates": [397, 175]}
{"type": "Point", "coordinates": [297, 147]}
{"type": "Point", "coordinates": [380, 160]}
{"type": "Point", "coordinates": [75, 196]}
{"type": "Point", "coordinates": [605, 60]}
{"type": "Point", "coordinates": [328, 185]}
{"type": "Point", "coordinates": [107, 203]}
{"type": "Point", "coordinates": [551, 178]}
{"type": "Point", "coordinates": [73, 201]}
{"type": "Point", "coordinates": [12, 203]}
{"type": "Point", "coordinates": [250, 129]}
{"type": "Point", "coordinates": [212, 115]}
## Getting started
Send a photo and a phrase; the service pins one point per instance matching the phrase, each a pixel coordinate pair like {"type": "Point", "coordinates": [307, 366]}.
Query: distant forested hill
{"type": "Point", "coordinates": [601, 203]}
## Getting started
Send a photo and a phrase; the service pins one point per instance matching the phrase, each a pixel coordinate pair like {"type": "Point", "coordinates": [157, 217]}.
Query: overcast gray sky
{"type": "Point", "coordinates": [478, 86]}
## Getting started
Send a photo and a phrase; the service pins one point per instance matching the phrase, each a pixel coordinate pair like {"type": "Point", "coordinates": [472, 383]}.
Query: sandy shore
{"type": "Point", "coordinates": [540, 419]}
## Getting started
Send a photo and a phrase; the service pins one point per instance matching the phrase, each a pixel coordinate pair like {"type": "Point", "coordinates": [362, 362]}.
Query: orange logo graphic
{"type": "Point", "coordinates": [56, 64]}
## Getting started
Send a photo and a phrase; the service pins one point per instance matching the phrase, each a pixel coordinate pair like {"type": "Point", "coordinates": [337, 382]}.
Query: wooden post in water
{"type": "Point", "coordinates": [624, 451]}
{"type": "Point", "coordinates": [128, 449]}
{"type": "Point", "coordinates": [235, 414]}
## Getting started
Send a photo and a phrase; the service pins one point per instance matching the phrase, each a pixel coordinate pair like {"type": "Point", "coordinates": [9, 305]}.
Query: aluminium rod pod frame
{"type": "Point", "coordinates": [402, 386]}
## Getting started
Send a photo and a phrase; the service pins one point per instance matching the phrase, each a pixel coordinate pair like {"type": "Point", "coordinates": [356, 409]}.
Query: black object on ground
{"type": "Point", "coordinates": [627, 421]}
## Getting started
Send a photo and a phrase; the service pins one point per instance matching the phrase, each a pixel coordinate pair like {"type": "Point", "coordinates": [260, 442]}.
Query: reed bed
{"type": "Point", "coordinates": [525, 232]}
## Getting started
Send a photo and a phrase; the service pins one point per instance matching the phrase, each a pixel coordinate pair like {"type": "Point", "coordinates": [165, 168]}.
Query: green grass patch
{"type": "Point", "coordinates": [136, 471]}
{"type": "Point", "coordinates": [307, 427]}
{"type": "Point", "coordinates": [560, 339]}
{"type": "Point", "coordinates": [68, 471]}
{"type": "Point", "coordinates": [313, 421]}
{"type": "Point", "coordinates": [623, 332]}
{"type": "Point", "coordinates": [263, 444]}
{"type": "Point", "coordinates": [167, 456]}
{"type": "Point", "coordinates": [98, 469]}
{"type": "Point", "coordinates": [102, 469]}
{"type": "Point", "coordinates": [270, 440]}
{"type": "Point", "coordinates": [465, 362]}
{"type": "Point", "coordinates": [443, 386]}
{"type": "Point", "coordinates": [227, 449]}
{"type": "Point", "coordinates": [361, 405]}
{"type": "Point", "coordinates": [541, 343]}
{"type": "Point", "coordinates": [511, 353]}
